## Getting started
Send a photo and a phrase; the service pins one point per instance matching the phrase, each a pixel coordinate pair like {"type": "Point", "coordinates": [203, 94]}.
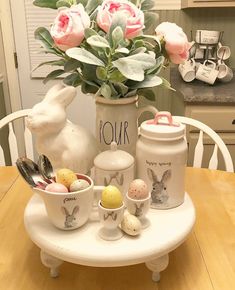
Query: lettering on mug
{"type": "Point", "coordinates": [117, 131]}
{"type": "Point", "coordinates": [69, 199]}
{"type": "Point", "coordinates": [151, 163]}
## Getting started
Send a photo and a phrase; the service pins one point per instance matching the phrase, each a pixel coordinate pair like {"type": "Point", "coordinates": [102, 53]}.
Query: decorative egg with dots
{"type": "Point", "coordinates": [138, 189]}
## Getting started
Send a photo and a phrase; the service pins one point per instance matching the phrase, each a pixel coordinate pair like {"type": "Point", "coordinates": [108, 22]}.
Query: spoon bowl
{"type": "Point", "coordinates": [46, 169]}
{"type": "Point", "coordinates": [30, 172]}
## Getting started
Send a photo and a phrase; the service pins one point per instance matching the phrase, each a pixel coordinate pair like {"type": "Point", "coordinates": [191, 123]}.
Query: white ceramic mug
{"type": "Point", "coordinates": [68, 211]}
{"type": "Point", "coordinates": [225, 73]}
{"type": "Point", "coordinates": [188, 70]}
{"type": "Point", "coordinates": [223, 52]}
{"type": "Point", "coordinates": [207, 36]}
{"type": "Point", "coordinates": [207, 73]}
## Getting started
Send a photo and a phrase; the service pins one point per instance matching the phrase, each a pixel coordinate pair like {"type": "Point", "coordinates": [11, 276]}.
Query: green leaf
{"type": "Point", "coordinates": [98, 41]}
{"type": "Point", "coordinates": [71, 65]}
{"type": "Point", "coordinates": [88, 32]}
{"type": "Point", "coordinates": [119, 20]}
{"type": "Point", "coordinates": [105, 91]}
{"type": "Point", "coordinates": [117, 36]}
{"type": "Point", "coordinates": [92, 5]}
{"type": "Point", "coordinates": [62, 3]}
{"type": "Point", "coordinates": [139, 50]}
{"type": "Point", "coordinates": [73, 80]}
{"type": "Point", "coordinates": [101, 73]}
{"type": "Point", "coordinates": [149, 82]}
{"type": "Point", "coordinates": [84, 56]}
{"type": "Point", "coordinates": [134, 66]}
{"type": "Point", "coordinates": [148, 94]}
{"type": "Point", "coordinates": [44, 36]}
{"type": "Point", "coordinates": [147, 5]}
{"type": "Point", "coordinates": [88, 72]}
{"type": "Point", "coordinates": [88, 88]}
{"type": "Point", "coordinates": [52, 75]}
{"type": "Point", "coordinates": [122, 50]}
{"type": "Point", "coordinates": [46, 3]}
{"type": "Point", "coordinates": [121, 88]}
{"type": "Point", "coordinates": [167, 85]}
{"type": "Point", "coordinates": [52, 63]}
{"type": "Point", "coordinates": [150, 20]}
{"type": "Point", "coordinates": [116, 76]}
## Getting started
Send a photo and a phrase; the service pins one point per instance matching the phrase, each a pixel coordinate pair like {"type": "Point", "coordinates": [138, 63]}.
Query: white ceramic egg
{"type": "Point", "coordinates": [79, 184]}
{"type": "Point", "coordinates": [131, 225]}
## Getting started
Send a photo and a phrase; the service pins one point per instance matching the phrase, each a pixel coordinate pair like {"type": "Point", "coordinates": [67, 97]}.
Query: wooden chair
{"type": "Point", "coordinates": [12, 140]}
{"type": "Point", "coordinates": [219, 144]}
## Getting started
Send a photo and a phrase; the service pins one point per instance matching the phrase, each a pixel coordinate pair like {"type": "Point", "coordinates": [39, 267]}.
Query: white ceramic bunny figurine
{"type": "Point", "coordinates": [64, 143]}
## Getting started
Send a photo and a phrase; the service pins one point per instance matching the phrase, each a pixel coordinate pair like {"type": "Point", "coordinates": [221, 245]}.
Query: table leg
{"type": "Point", "coordinates": [51, 262]}
{"type": "Point", "coordinates": [157, 266]}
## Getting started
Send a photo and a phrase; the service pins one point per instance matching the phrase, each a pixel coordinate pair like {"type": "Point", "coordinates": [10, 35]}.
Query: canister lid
{"type": "Point", "coordinates": [162, 127]}
{"type": "Point", "coordinates": [114, 159]}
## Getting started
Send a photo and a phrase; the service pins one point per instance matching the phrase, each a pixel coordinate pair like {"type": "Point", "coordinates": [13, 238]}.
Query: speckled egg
{"type": "Point", "coordinates": [138, 189]}
{"type": "Point", "coordinates": [56, 187]}
{"type": "Point", "coordinates": [131, 225]}
{"type": "Point", "coordinates": [111, 197]}
{"type": "Point", "coordinates": [66, 177]}
{"type": "Point", "coordinates": [79, 184]}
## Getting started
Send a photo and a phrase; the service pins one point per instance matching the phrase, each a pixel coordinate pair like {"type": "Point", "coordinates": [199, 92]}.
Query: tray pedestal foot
{"type": "Point", "coordinates": [51, 262]}
{"type": "Point", "coordinates": [157, 266]}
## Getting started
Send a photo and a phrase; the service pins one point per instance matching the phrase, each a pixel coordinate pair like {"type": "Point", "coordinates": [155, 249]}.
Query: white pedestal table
{"type": "Point", "coordinates": [168, 229]}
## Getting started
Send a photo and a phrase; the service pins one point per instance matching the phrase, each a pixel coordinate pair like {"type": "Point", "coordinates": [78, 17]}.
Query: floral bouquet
{"type": "Point", "coordinates": [102, 46]}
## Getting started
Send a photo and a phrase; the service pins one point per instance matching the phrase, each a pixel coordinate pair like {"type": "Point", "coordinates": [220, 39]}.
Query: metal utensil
{"type": "Point", "coordinates": [45, 168]}
{"type": "Point", "coordinates": [30, 172]}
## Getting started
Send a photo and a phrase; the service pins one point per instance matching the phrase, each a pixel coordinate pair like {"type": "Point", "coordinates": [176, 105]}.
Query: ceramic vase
{"type": "Point", "coordinates": [117, 120]}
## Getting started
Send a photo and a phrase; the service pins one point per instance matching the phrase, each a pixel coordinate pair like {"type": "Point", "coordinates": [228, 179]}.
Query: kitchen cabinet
{"type": "Point", "coordinates": [212, 105]}
{"type": "Point", "coordinates": [206, 3]}
{"type": "Point", "coordinates": [221, 119]}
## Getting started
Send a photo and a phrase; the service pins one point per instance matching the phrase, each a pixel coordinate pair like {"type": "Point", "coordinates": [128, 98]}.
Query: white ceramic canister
{"type": "Point", "coordinates": [161, 155]}
{"type": "Point", "coordinates": [114, 167]}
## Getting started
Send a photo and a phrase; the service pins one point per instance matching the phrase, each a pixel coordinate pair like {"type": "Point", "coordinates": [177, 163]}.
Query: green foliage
{"type": "Point", "coordinates": [108, 64]}
{"type": "Point", "coordinates": [46, 3]}
{"type": "Point", "coordinates": [53, 75]}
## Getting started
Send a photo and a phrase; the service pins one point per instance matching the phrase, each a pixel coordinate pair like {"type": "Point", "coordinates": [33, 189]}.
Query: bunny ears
{"type": "Point", "coordinates": [61, 94]}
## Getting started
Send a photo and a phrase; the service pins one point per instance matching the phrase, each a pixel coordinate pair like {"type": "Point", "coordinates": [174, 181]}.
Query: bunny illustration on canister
{"type": "Point", "coordinates": [65, 144]}
{"type": "Point", "coordinates": [159, 186]}
{"type": "Point", "coordinates": [161, 157]}
{"type": "Point", "coordinates": [69, 218]}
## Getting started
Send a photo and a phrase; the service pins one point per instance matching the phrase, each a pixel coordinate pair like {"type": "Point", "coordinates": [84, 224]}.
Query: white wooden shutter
{"type": "Point", "coordinates": [38, 17]}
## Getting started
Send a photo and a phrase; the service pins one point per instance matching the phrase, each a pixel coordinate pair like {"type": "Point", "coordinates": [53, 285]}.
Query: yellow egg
{"type": "Point", "coordinates": [111, 197]}
{"type": "Point", "coordinates": [66, 177]}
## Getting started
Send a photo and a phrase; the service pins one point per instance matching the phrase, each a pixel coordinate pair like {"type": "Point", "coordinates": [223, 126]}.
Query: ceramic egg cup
{"type": "Point", "coordinates": [110, 219]}
{"type": "Point", "coordinates": [139, 208]}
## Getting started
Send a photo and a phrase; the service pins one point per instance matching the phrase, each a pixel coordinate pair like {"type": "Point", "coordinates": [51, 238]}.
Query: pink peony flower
{"type": "Point", "coordinates": [135, 17]}
{"type": "Point", "coordinates": [69, 25]}
{"type": "Point", "coordinates": [176, 41]}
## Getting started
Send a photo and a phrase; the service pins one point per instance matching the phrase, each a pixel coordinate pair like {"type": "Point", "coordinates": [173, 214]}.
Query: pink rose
{"type": "Point", "coordinates": [176, 41]}
{"type": "Point", "coordinates": [135, 17]}
{"type": "Point", "coordinates": [68, 28]}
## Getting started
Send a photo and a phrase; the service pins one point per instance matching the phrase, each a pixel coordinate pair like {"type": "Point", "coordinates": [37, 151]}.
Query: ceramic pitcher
{"type": "Point", "coordinates": [117, 120]}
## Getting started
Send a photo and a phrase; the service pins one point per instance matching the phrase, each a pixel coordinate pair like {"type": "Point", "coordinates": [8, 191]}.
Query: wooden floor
{"type": "Point", "coordinates": [206, 261]}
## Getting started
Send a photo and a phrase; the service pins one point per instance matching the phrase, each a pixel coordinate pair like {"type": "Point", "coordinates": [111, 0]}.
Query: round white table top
{"type": "Point", "coordinates": [168, 229]}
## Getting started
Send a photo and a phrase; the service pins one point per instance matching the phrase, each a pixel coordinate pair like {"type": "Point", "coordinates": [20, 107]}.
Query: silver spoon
{"type": "Point", "coordinates": [45, 168]}
{"type": "Point", "coordinates": [30, 172]}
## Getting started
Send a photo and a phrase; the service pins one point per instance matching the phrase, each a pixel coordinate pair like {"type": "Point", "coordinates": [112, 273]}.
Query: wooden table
{"type": "Point", "coordinates": [205, 261]}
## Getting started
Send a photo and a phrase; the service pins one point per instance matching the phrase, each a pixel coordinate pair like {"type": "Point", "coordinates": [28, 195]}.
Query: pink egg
{"type": "Point", "coordinates": [56, 187]}
{"type": "Point", "coordinates": [138, 189]}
